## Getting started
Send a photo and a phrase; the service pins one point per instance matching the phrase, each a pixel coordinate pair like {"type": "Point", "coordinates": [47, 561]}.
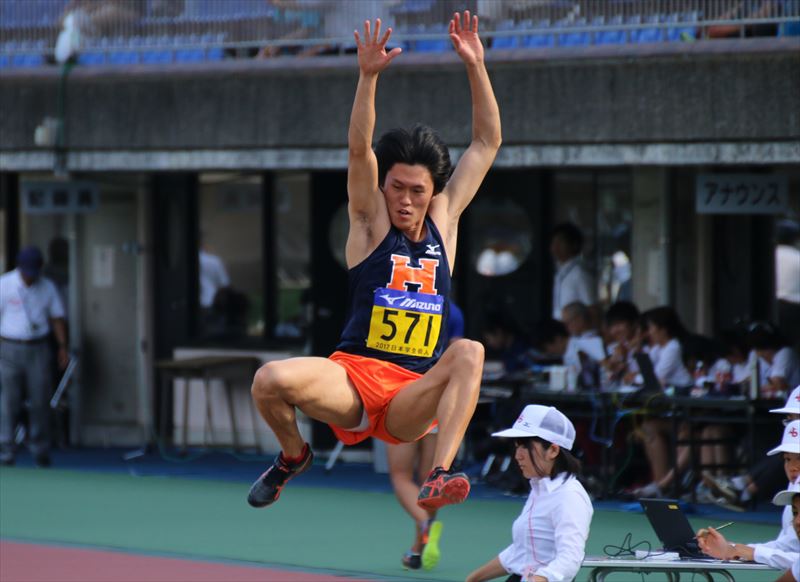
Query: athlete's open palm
{"type": "Point", "coordinates": [372, 55]}
{"type": "Point", "coordinates": [464, 34]}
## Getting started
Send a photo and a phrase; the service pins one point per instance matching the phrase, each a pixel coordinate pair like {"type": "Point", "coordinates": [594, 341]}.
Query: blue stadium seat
{"type": "Point", "coordinates": [506, 42]}
{"type": "Point", "coordinates": [651, 34]}
{"type": "Point", "coordinates": [158, 50]}
{"type": "Point", "coordinates": [434, 45]}
{"type": "Point", "coordinates": [33, 57]}
{"type": "Point", "coordinates": [633, 35]}
{"type": "Point", "coordinates": [573, 38]}
{"type": "Point", "coordinates": [539, 39]}
{"type": "Point", "coordinates": [611, 36]}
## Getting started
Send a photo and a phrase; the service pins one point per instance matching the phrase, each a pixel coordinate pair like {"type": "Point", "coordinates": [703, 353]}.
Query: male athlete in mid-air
{"type": "Point", "coordinates": [391, 376]}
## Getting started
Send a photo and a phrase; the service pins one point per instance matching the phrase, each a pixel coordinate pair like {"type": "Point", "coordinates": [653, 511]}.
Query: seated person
{"type": "Point", "coordinates": [623, 333]}
{"type": "Point", "coordinates": [728, 372]}
{"type": "Point", "coordinates": [764, 477]}
{"type": "Point", "coordinates": [549, 536]}
{"type": "Point", "coordinates": [551, 338]}
{"type": "Point", "coordinates": [782, 552]}
{"type": "Point", "coordinates": [506, 342]}
{"type": "Point", "coordinates": [583, 336]}
{"type": "Point", "coordinates": [664, 330]}
{"type": "Point", "coordinates": [791, 499]}
{"type": "Point", "coordinates": [782, 362]}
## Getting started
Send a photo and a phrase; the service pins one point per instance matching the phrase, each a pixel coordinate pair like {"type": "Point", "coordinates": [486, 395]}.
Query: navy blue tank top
{"type": "Point", "coordinates": [398, 301]}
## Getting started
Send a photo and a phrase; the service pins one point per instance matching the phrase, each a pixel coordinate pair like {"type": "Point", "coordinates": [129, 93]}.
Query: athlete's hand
{"type": "Point", "coordinates": [465, 38]}
{"type": "Point", "coordinates": [372, 55]}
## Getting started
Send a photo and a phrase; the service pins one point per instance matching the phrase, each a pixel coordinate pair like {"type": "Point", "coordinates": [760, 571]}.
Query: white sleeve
{"type": "Point", "coordinates": [666, 363]}
{"type": "Point", "coordinates": [779, 553]}
{"type": "Point", "coordinates": [572, 519]}
{"type": "Point", "coordinates": [55, 308]}
{"type": "Point", "coordinates": [779, 364]}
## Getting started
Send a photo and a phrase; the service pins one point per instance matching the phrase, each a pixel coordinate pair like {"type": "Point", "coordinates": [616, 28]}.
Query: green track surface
{"type": "Point", "coordinates": [342, 530]}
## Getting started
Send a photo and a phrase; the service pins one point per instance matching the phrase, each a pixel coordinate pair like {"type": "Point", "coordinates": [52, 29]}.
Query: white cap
{"type": "Point", "coordinates": [791, 440]}
{"type": "Point", "coordinates": [792, 405]}
{"type": "Point", "coordinates": [785, 497]}
{"type": "Point", "coordinates": [544, 422]}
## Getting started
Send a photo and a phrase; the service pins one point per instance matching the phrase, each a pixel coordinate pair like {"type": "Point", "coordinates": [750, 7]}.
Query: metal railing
{"type": "Point", "coordinates": [217, 28]}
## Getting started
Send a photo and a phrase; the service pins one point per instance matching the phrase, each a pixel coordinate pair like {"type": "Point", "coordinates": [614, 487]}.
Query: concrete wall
{"type": "Point", "coordinates": [590, 97]}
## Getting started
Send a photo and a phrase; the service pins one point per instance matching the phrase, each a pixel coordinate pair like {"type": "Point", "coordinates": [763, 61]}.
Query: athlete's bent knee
{"type": "Point", "coordinates": [468, 353]}
{"type": "Point", "coordinates": [270, 381]}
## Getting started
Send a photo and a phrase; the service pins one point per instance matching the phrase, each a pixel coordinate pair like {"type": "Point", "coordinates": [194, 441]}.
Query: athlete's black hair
{"type": "Point", "coordinates": [422, 145]}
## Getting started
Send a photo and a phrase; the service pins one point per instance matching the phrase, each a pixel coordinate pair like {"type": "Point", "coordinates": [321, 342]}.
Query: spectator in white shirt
{"type": "Point", "coordinates": [549, 536]}
{"type": "Point", "coordinates": [664, 328]}
{"type": "Point", "coordinates": [573, 281]}
{"type": "Point", "coordinates": [213, 277]}
{"type": "Point", "coordinates": [782, 552]}
{"type": "Point", "coordinates": [623, 331]}
{"type": "Point", "coordinates": [30, 308]}
{"type": "Point", "coordinates": [783, 364]}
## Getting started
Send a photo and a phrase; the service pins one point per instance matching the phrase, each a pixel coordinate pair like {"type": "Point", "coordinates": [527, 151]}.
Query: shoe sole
{"type": "Point", "coordinates": [430, 553]}
{"type": "Point", "coordinates": [454, 491]}
{"type": "Point", "coordinates": [720, 488]}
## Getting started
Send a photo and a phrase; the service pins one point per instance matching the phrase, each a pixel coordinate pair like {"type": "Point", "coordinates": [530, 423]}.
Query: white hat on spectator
{"type": "Point", "coordinates": [785, 497]}
{"type": "Point", "coordinates": [544, 422]}
{"type": "Point", "coordinates": [792, 405]}
{"type": "Point", "coordinates": [791, 440]}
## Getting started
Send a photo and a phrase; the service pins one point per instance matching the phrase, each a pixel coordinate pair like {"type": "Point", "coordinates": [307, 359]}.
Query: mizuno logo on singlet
{"type": "Point", "coordinates": [425, 305]}
{"type": "Point", "coordinates": [433, 250]}
{"type": "Point", "coordinates": [420, 279]}
{"type": "Point", "coordinates": [389, 299]}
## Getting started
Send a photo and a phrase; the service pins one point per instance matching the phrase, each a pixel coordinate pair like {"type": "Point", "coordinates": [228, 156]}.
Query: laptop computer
{"type": "Point", "coordinates": [651, 383]}
{"type": "Point", "coordinates": [672, 527]}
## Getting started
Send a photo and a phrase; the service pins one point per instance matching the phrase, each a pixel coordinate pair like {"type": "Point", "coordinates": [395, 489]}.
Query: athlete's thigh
{"type": "Point", "coordinates": [321, 389]}
{"type": "Point", "coordinates": [412, 410]}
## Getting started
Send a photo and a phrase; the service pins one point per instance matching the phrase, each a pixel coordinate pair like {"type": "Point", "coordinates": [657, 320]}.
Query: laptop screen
{"type": "Point", "coordinates": [671, 526]}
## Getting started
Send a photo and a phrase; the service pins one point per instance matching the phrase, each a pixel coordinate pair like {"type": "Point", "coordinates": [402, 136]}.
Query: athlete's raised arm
{"type": "Point", "coordinates": [366, 202]}
{"type": "Point", "coordinates": [486, 135]}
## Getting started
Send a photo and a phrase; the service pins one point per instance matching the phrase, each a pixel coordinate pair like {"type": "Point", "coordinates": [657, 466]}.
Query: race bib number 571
{"type": "Point", "coordinates": [405, 322]}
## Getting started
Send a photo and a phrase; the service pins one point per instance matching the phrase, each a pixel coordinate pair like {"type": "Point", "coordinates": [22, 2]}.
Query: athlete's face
{"type": "Point", "coordinates": [796, 514]}
{"type": "Point", "coordinates": [408, 191]}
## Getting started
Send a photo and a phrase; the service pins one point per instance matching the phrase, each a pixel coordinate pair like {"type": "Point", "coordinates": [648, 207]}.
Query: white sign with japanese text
{"type": "Point", "coordinates": [741, 194]}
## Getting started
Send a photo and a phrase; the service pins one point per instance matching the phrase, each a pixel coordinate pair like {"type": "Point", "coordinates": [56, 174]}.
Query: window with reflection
{"type": "Point", "coordinates": [502, 233]}
{"type": "Point", "coordinates": [230, 256]}
{"type": "Point", "coordinates": [600, 204]}
{"type": "Point", "coordinates": [293, 254]}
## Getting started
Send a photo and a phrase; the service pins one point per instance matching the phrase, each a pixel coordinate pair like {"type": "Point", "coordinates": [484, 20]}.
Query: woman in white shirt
{"type": "Point", "coordinates": [549, 536]}
{"type": "Point", "coordinates": [782, 362]}
{"type": "Point", "coordinates": [664, 329]}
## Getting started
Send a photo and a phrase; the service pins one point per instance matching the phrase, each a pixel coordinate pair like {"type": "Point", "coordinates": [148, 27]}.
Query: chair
{"type": "Point", "coordinates": [610, 36]}
{"type": "Point", "coordinates": [653, 34]}
{"type": "Point", "coordinates": [434, 45]}
{"type": "Point", "coordinates": [573, 38]}
{"type": "Point", "coordinates": [506, 42]}
{"type": "Point", "coordinates": [540, 39]}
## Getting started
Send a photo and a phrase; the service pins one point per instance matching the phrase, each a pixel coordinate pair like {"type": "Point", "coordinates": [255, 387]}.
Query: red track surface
{"type": "Point", "coordinates": [23, 562]}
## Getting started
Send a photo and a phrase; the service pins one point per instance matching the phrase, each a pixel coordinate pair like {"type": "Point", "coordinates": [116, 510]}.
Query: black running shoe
{"type": "Point", "coordinates": [268, 488]}
{"type": "Point", "coordinates": [412, 561]}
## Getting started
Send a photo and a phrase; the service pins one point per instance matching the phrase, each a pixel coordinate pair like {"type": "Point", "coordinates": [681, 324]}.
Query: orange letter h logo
{"type": "Point", "coordinates": [403, 274]}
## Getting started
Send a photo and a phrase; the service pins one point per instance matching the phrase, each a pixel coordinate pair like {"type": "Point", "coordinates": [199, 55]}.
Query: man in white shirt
{"type": "Point", "coordinates": [213, 277]}
{"type": "Point", "coordinates": [573, 281]}
{"type": "Point", "coordinates": [30, 308]}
